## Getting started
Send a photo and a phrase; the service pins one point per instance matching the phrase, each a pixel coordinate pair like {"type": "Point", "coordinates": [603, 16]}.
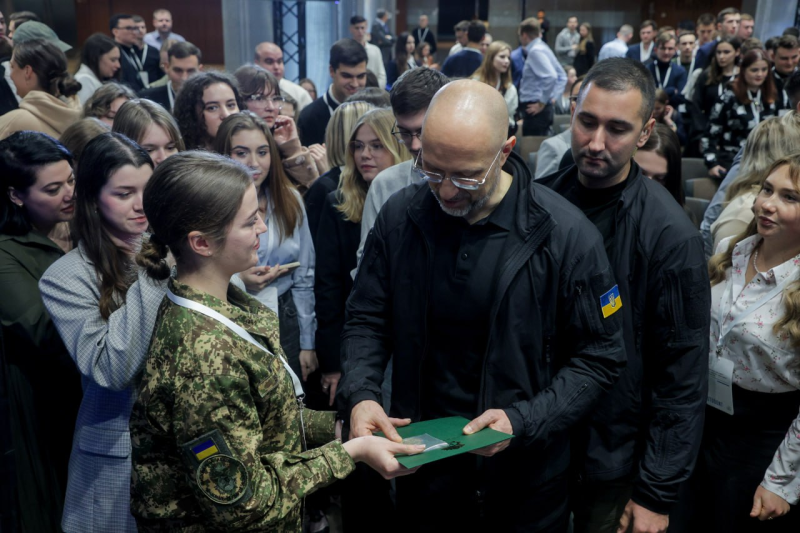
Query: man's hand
{"type": "Point", "coordinates": [718, 171]}
{"type": "Point", "coordinates": [637, 519]}
{"type": "Point", "coordinates": [534, 108]}
{"type": "Point", "coordinates": [284, 129]}
{"type": "Point", "coordinates": [329, 384]}
{"type": "Point", "coordinates": [768, 505]}
{"type": "Point", "coordinates": [369, 416]}
{"type": "Point", "coordinates": [495, 419]}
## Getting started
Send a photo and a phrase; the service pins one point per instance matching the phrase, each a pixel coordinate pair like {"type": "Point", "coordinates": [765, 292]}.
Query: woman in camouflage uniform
{"type": "Point", "coordinates": [220, 440]}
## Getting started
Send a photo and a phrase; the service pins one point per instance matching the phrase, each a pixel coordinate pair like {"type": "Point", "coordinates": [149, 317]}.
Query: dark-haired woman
{"type": "Point", "coordinates": [104, 310]}
{"type": "Point", "coordinates": [660, 160]}
{"type": "Point", "coordinates": [99, 64]}
{"type": "Point", "coordinates": [709, 84]}
{"type": "Point", "coordinates": [204, 101]}
{"type": "Point", "coordinates": [49, 104]}
{"type": "Point", "coordinates": [404, 58]}
{"type": "Point", "coordinates": [751, 98]}
{"type": "Point", "coordinates": [42, 383]}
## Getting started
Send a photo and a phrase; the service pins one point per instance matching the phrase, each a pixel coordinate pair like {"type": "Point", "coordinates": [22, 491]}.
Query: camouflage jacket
{"type": "Point", "coordinates": [216, 429]}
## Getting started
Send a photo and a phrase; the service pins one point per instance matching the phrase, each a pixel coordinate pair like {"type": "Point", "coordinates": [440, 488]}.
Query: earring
{"type": "Point", "coordinates": [18, 204]}
{"type": "Point", "coordinates": [209, 254]}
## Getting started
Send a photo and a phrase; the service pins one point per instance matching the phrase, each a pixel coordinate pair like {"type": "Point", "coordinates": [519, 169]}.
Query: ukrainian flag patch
{"type": "Point", "coordinates": [205, 449]}
{"type": "Point", "coordinates": [610, 302]}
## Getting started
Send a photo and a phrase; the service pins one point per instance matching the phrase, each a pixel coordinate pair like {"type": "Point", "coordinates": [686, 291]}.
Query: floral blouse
{"type": "Point", "coordinates": [763, 361]}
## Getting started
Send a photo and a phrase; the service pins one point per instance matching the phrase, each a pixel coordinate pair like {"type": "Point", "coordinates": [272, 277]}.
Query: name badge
{"type": "Point", "coordinates": [720, 384]}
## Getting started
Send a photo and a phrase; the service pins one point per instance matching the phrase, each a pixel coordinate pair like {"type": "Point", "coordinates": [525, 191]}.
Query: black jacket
{"type": "Point", "coordinates": [314, 120]}
{"type": "Point", "coordinates": [550, 355]}
{"type": "Point", "coordinates": [159, 95]}
{"type": "Point", "coordinates": [652, 421]}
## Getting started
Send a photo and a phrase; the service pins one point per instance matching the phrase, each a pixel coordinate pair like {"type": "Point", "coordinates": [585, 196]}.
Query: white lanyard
{"type": "Point", "coordinates": [171, 96]}
{"type": "Point", "coordinates": [423, 35]}
{"type": "Point", "coordinates": [243, 333]}
{"type": "Point", "coordinates": [756, 107]}
{"type": "Point", "coordinates": [327, 102]}
{"type": "Point", "coordinates": [723, 332]}
{"type": "Point", "coordinates": [666, 76]}
{"type": "Point", "coordinates": [144, 56]}
{"type": "Point", "coordinates": [134, 60]}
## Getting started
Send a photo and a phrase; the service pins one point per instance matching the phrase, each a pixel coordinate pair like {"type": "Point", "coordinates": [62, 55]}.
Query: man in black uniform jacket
{"type": "Point", "coordinates": [641, 443]}
{"type": "Point", "coordinates": [487, 290]}
{"type": "Point", "coordinates": [348, 69]}
{"type": "Point", "coordinates": [183, 61]}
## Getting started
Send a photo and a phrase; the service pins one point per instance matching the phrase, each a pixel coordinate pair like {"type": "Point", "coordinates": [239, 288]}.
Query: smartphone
{"type": "Point", "coordinates": [289, 266]}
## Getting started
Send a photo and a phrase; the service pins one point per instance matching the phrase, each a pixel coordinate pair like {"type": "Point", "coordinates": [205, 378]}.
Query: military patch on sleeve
{"type": "Point", "coordinates": [205, 446]}
{"type": "Point", "coordinates": [222, 478]}
{"type": "Point", "coordinates": [610, 302]}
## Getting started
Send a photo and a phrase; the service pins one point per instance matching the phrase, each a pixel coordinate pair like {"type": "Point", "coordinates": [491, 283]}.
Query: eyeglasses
{"type": "Point", "coordinates": [130, 28]}
{"type": "Point", "coordinates": [261, 100]}
{"type": "Point", "coordinates": [468, 184]}
{"type": "Point", "coordinates": [375, 147]}
{"type": "Point", "coordinates": [405, 137]}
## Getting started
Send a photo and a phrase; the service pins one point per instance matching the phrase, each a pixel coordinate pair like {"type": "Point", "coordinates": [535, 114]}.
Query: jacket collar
{"type": "Point", "coordinates": [32, 238]}
{"type": "Point", "coordinates": [567, 179]}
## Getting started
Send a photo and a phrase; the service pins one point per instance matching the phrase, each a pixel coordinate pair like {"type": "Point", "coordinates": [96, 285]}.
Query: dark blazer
{"type": "Point", "coordinates": [675, 83]}
{"type": "Point", "coordinates": [703, 56]}
{"type": "Point", "coordinates": [130, 73]}
{"type": "Point", "coordinates": [159, 95]}
{"type": "Point", "coordinates": [430, 38]}
{"type": "Point", "coordinates": [635, 50]}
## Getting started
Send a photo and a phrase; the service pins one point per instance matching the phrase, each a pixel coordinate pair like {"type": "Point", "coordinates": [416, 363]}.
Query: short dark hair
{"type": "Point", "coordinates": [686, 25]}
{"type": "Point", "coordinates": [95, 46]}
{"type": "Point", "coordinates": [114, 22]}
{"type": "Point", "coordinates": [787, 41]}
{"type": "Point", "coordinates": [414, 90]}
{"type": "Point", "coordinates": [705, 19]}
{"type": "Point", "coordinates": [771, 43]}
{"type": "Point", "coordinates": [665, 37]}
{"type": "Point", "coordinates": [792, 88]}
{"type": "Point", "coordinates": [725, 12]}
{"type": "Point", "coordinates": [618, 74]}
{"type": "Point", "coordinates": [254, 80]}
{"type": "Point", "coordinates": [476, 31]}
{"type": "Point", "coordinates": [22, 154]}
{"type": "Point", "coordinates": [530, 27]}
{"type": "Point", "coordinates": [647, 23]}
{"type": "Point", "coordinates": [182, 50]}
{"type": "Point", "coordinates": [791, 30]}
{"type": "Point", "coordinates": [380, 13]}
{"type": "Point", "coordinates": [371, 95]}
{"type": "Point", "coordinates": [357, 19]}
{"type": "Point", "coordinates": [347, 52]}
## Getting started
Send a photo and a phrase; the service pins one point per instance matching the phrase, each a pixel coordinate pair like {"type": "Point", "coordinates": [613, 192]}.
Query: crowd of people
{"type": "Point", "coordinates": [219, 286]}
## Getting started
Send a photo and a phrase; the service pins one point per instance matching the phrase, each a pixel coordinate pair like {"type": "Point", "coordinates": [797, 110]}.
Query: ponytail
{"type": "Point", "coordinates": [66, 85]}
{"type": "Point", "coordinates": [153, 258]}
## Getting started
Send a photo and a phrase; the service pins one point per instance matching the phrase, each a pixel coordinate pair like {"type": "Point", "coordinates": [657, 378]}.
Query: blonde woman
{"type": "Point", "coordinates": [372, 149]}
{"type": "Point", "coordinates": [751, 444]}
{"type": "Point", "coordinates": [769, 141]}
{"type": "Point", "coordinates": [496, 71]}
{"type": "Point", "coordinates": [151, 126]}
{"type": "Point", "coordinates": [585, 57]}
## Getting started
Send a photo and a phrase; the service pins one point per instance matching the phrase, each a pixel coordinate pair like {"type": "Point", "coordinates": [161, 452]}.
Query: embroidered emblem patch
{"type": "Point", "coordinates": [610, 302]}
{"type": "Point", "coordinates": [222, 478]}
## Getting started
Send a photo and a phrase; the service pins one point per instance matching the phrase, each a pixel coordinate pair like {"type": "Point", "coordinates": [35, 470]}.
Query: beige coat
{"type": "Point", "coordinates": [40, 111]}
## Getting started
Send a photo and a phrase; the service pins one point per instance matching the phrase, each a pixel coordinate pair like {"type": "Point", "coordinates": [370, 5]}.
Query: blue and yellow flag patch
{"type": "Point", "coordinates": [205, 449]}
{"type": "Point", "coordinates": [610, 302]}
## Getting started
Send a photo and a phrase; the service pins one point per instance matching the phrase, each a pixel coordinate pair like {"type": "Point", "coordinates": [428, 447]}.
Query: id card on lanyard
{"type": "Point", "coordinates": [720, 371]}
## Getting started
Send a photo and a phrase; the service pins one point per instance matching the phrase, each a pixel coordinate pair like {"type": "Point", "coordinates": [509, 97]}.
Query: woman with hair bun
{"type": "Point", "coordinates": [49, 102]}
{"type": "Point", "coordinates": [221, 438]}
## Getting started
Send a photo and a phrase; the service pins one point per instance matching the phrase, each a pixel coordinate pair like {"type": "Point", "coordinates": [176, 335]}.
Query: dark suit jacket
{"type": "Point", "coordinates": [703, 56]}
{"type": "Point", "coordinates": [381, 36]}
{"type": "Point", "coordinates": [635, 51]}
{"type": "Point", "coordinates": [159, 95]}
{"type": "Point", "coordinates": [430, 38]}
{"type": "Point", "coordinates": [130, 73]}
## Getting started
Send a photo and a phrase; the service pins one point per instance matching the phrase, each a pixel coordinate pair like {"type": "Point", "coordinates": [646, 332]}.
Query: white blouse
{"type": "Point", "coordinates": [763, 361]}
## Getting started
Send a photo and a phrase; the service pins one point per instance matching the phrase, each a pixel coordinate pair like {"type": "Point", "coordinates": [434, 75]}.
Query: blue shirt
{"type": "Point", "coordinates": [543, 77]}
{"type": "Point", "coordinates": [517, 64]}
{"type": "Point", "coordinates": [273, 251]}
{"type": "Point", "coordinates": [615, 48]}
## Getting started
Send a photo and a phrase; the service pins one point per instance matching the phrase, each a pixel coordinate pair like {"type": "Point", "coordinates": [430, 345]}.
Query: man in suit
{"type": "Point", "coordinates": [424, 34]}
{"type": "Point", "coordinates": [667, 74]}
{"type": "Point", "coordinates": [728, 21]}
{"type": "Point", "coordinates": [382, 35]}
{"type": "Point", "coordinates": [645, 51]}
{"type": "Point", "coordinates": [183, 60]}
{"type": "Point", "coordinates": [125, 33]}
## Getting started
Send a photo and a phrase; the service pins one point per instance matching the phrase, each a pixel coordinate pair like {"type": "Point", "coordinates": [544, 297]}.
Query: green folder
{"type": "Point", "coordinates": [449, 430]}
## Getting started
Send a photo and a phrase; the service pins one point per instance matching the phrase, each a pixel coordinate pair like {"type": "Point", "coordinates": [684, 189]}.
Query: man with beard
{"type": "Point", "coordinates": [494, 299]}
{"type": "Point", "coordinates": [634, 451]}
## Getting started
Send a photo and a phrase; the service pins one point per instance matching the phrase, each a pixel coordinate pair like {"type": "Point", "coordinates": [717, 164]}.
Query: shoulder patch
{"type": "Point", "coordinates": [610, 302]}
{"type": "Point", "coordinates": [222, 478]}
{"type": "Point", "coordinates": [205, 446]}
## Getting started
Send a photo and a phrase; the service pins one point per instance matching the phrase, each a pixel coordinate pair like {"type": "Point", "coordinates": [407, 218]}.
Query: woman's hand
{"type": "Point", "coordinates": [284, 129]}
{"type": "Point", "coordinates": [668, 110]}
{"type": "Point", "coordinates": [378, 453]}
{"type": "Point", "coordinates": [308, 363]}
{"type": "Point", "coordinates": [768, 505]}
{"type": "Point", "coordinates": [320, 157]}
{"type": "Point", "coordinates": [329, 383]}
{"type": "Point", "coordinates": [717, 171]}
{"type": "Point", "coordinates": [258, 277]}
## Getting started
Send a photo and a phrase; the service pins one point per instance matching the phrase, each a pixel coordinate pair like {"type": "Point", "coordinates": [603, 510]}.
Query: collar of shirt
{"type": "Point", "coordinates": [533, 42]}
{"type": "Point", "coordinates": [503, 214]}
{"type": "Point", "coordinates": [743, 251]}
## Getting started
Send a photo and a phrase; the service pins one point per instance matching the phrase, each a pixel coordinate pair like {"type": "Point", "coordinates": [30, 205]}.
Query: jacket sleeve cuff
{"type": "Point", "coordinates": [650, 503]}
{"type": "Point", "coordinates": [517, 423]}
{"type": "Point", "coordinates": [319, 426]}
{"type": "Point", "coordinates": [340, 462]}
{"type": "Point", "coordinates": [361, 396]}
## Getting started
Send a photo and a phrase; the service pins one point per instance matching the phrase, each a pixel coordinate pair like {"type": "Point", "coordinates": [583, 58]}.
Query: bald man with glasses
{"type": "Point", "coordinates": [493, 296]}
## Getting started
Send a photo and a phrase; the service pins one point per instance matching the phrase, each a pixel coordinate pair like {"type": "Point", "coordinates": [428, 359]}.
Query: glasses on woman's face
{"type": "Point", "coordinates": [259, 100]}
{"type": "Point", "coordinates": [375, 147]}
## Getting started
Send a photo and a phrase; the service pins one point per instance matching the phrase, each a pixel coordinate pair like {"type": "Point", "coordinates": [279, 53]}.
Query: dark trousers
{"type": "Point", "coordinates": [538, 124]}
{"type": "Point", "coordinates": [598, 505]}
{"type": "Point", "coordinates": [448, 496]}
{"type": "Point", "coordinates": [736, 453]}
